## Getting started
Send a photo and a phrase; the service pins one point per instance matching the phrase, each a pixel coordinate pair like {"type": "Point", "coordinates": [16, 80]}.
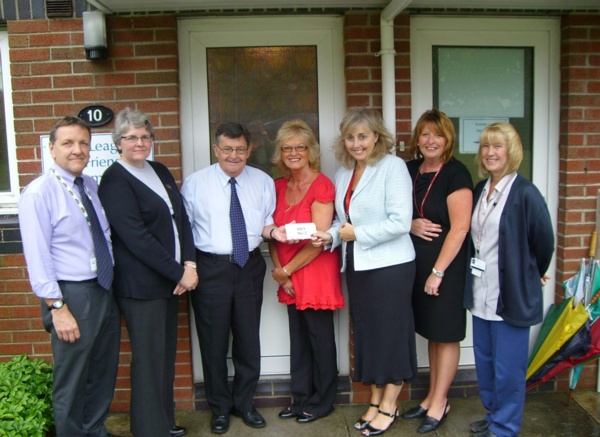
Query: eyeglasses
{"type": "Point", "coordinates": [227, 150]}
{"type": "Point", "coordinates": [134, 139]}
{"type": "Point", "coordinates": [299, 148]}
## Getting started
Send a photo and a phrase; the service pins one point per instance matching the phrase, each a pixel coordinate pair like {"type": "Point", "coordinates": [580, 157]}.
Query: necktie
{"type": "Point", "coordinates": [239, 236]}
{"type": "Point", "coordinates": [103, 259]}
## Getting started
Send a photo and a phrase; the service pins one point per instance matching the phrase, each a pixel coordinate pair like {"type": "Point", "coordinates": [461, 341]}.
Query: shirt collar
{"type": "Point", "coordinates": [68, 177]}
{"type": "Point", "coordinates": [224, 177]}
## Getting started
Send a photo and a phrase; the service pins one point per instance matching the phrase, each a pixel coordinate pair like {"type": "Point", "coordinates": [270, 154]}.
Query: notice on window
{"type": "Point", "coordinates": [470, 131]}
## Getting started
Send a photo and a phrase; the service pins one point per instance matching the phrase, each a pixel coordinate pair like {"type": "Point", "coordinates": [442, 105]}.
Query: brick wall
{"type": "Point", "coordinates": [52, 78]}
{"type": "Point", "coordinates": [579, 152]}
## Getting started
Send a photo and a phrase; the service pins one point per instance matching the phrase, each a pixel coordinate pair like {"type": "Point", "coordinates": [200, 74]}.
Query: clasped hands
{"type": "Point", "coordinates": [188, 281]}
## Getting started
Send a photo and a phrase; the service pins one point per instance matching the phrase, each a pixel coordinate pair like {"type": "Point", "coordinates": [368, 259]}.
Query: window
{"type": "Point", "coordinates": [9, 185]}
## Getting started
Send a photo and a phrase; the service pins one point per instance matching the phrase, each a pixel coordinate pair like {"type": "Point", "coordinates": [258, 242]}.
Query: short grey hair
{"type": "Point", "coordinates": [126, 119]}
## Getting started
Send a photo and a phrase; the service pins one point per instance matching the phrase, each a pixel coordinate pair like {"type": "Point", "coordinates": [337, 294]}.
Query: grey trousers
{"type": "Point", "coordinates": [85, 371]}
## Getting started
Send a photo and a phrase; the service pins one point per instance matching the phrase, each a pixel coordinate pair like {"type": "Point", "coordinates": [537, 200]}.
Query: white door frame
{"type": "Point", "coordinates": [543, 34]}
{"type": "Point", "coordinates": [195, 35]}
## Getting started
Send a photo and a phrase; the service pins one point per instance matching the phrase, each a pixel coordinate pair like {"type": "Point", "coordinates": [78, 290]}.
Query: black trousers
{"type": "Point", "coordinates": [313, 360]}
{"type": "Point", "coordinates": [152, 327]}
{"type": "Point", "coordinates": [228, 300]}
{"type": "Point", "coordinates": [85, 372]}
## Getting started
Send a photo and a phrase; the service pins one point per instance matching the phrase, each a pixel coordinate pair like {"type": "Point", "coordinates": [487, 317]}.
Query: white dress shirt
{"type": "Point", "coordinates": [207, 197]}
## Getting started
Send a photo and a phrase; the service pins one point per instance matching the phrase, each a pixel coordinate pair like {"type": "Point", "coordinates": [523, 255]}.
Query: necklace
{"type": "Point", "coordinates": [421, 210]}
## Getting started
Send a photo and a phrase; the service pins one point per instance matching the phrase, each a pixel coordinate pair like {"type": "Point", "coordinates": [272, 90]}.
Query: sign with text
{"type": "Point", "coordinates": [470, 131]}
{"type": "Point", "coordinates": [103, 153]}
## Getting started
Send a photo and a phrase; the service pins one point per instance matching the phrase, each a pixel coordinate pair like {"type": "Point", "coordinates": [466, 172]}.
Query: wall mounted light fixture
{"type": "Point", "coordinates": [94, 35]}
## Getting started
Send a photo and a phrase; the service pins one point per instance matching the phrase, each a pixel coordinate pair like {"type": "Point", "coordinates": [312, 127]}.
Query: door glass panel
{"type": "Point", "coordinates": [476, 86]}
{"type": "Point", "coordinates": [262, 87]}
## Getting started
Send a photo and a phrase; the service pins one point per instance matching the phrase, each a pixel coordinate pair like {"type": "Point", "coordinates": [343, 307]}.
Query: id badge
{"type": "Point", "coordinates": [93, 264]}
{"type": "Point", "coordinates": [477, 267]}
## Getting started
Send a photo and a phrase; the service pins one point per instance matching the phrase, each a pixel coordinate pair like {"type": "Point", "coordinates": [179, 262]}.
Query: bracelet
{"type": "Point", "coordinates": [190, 265]}
{"type": "Point", "coordinates": [271, 234]}
{"type": "Point", "coordinates": [286, 272]}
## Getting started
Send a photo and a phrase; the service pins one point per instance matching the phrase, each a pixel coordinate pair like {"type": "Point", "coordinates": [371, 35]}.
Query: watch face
{"type": "Point", "coordinates": [58, 304]}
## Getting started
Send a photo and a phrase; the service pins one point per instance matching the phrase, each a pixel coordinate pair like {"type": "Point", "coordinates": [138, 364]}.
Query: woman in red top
{"type": "Point", "coordinates": [308, 277]}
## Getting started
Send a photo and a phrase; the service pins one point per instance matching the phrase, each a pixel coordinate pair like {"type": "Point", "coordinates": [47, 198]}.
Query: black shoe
{"type": "Point", "coordinates": [362, 423]}
{"type": "Point", "coordinates": [219, 424]}
{"type": "Point", "coordinates": [252, 418]}
{"type": "Point", "coordinates": [415, 413]}
{"type": "Point", "coordinates": [287, 413]}
{"type": "Point", "coordinates": [479, 426]}
{"type": "Point", "coordinates": [486, 433]}
{"type": "Point", "coordinates": [307, 418]}
{"type": "Point", "coordinates": [372, 431]}
{"type": "Point", "coordinates": [431, 423]}
{"type": "Point", "coordinates": [178, 431]}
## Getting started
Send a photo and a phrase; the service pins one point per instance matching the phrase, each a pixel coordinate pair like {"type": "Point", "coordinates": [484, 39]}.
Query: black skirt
{"type": "Point", "coordinates": [383, 324]}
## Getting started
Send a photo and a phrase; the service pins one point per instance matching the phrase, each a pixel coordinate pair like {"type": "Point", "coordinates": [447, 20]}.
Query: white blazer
{"type": "Point", "coordinates": [381, 212]}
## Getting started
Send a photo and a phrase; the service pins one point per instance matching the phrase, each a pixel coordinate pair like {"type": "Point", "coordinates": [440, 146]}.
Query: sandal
{"type": "Point", "coordinates": [362, 423]}
{"type": "Point", "coordinates": [371, 431]}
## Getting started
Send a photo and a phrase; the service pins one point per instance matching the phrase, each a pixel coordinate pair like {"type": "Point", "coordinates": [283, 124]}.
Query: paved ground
{"type": "Point", "coordinates": [546, 415]}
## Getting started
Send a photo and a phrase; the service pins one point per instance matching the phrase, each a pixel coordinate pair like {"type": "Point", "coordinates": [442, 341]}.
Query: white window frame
{"type": "Point", "coordinates": [9, 199]}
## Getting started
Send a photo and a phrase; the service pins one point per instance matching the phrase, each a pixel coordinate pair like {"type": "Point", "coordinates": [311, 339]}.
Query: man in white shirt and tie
{"type": "Point", "coordinates": [231, 270]}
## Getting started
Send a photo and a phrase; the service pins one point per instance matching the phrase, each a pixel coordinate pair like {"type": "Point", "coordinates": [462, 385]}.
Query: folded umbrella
{"type": "Point", "coordinates": [560, 324]}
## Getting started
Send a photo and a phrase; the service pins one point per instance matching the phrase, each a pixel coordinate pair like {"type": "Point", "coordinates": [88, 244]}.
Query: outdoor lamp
{"type": "Point", "coordinates": [94, 35]}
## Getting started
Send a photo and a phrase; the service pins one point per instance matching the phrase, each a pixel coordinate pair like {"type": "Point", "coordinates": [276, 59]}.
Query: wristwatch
{"type": "Point", "coordinates": [437, 273]}
{"type": "Point", "coordinates": [56, 305]}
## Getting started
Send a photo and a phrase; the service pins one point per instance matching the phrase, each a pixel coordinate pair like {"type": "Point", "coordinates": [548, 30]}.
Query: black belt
{"type": "Point", "coordinates": [85, 281]}
{"type": "Point", "coordinates": [227, 257]}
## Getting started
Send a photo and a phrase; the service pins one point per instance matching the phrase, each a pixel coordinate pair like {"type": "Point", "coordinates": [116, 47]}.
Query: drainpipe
{"type": "Point", "coordinates": [387, 53]}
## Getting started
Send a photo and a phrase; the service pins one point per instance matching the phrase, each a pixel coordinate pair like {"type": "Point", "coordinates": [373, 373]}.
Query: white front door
{"type": "Point", "coordinates": [198, 39]}
{"type": "Point", "coordinates": [532, 103]}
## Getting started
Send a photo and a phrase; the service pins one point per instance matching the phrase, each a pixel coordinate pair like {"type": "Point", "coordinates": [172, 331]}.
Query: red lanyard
{"type": "Point", "coordinates": [348, 196]}
{"type": "Point", "coordinates": [422, 209]}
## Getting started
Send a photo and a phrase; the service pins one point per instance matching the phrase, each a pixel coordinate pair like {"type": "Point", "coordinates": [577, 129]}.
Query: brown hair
{"type": "Point", "coordinates": [442, 124]}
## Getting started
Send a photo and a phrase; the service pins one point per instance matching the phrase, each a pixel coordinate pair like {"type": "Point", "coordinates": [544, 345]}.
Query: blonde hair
{"type": "Point", "coordinates": [501, 133]}
{"type": "Point", "coordinates": [373, 121]}
{"type": "Point", "coordinates": [443, 125]}
{"type": "Point", "coordinates": [288, 130]}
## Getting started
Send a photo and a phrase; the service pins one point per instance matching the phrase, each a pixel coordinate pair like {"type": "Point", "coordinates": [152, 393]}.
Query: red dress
{"type": "Point", "coordinates": [317, 285]}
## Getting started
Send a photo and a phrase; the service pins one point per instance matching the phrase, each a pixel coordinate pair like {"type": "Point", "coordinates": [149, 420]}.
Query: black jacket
{"type": "Point", "coordinates": [142, 233]}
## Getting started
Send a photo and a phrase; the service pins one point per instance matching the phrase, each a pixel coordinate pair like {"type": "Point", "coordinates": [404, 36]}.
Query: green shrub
{"type": "Point", "coordinates": [25, 398]}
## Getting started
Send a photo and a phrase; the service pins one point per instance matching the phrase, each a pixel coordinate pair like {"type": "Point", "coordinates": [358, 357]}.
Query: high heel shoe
{"type": "Point", "coordinates": [377, 431]}
{"type": "Point", "coordinates": [362, 423]}
{"type": "Point", "coordinates": [415, 413]}
{"type": "Point", "coordinates": [431, 423]}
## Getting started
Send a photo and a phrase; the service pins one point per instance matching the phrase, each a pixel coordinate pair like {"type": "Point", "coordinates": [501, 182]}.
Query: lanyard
{"type": "Point", "coordinates": [481, 224]}
{"type": "Point", "coordinates": [348, 196]}
{"type": "Point", "coordinates": [72, 193]}
{"type": "Point", "coordinates": [421, 211]}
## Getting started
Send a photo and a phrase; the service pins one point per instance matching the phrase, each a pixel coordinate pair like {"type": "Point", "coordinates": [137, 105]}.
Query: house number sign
{"type": "Point", "coordinates": [96, 115]}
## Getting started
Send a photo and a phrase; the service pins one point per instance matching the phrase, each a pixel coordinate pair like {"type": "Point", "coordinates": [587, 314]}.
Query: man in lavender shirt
{"type": "Point", "coordinates": [80, 314]}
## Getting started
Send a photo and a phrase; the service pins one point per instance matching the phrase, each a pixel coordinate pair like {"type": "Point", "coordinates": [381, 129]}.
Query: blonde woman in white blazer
{"type": "Point", "coordinates": [374, 212]}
